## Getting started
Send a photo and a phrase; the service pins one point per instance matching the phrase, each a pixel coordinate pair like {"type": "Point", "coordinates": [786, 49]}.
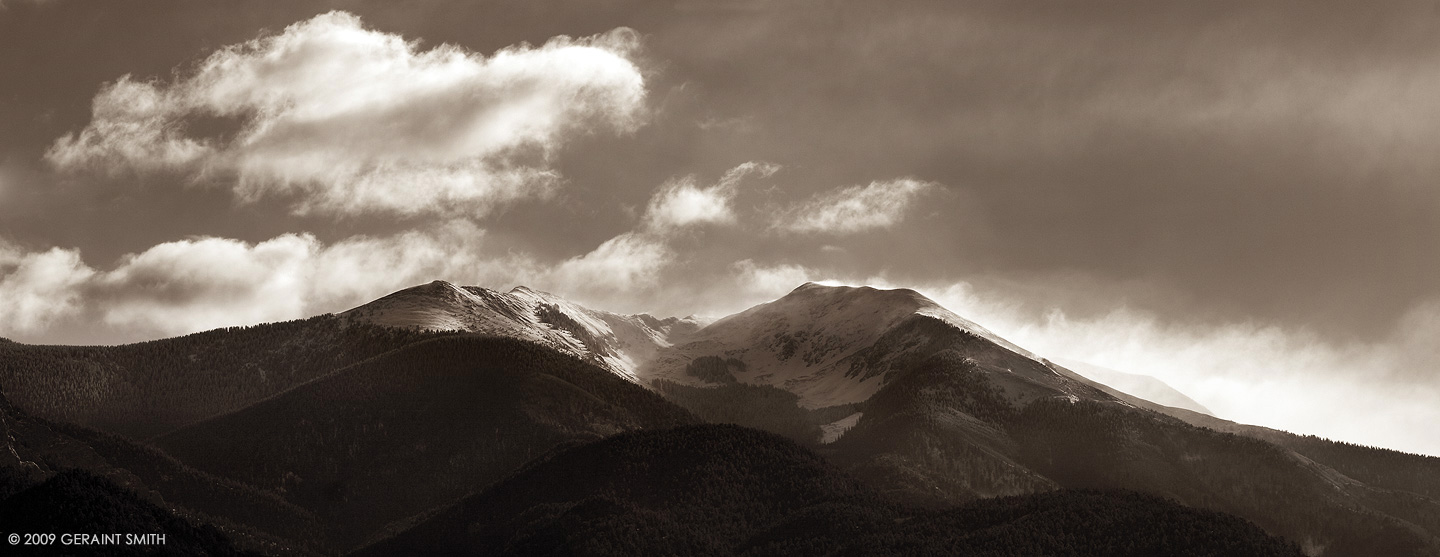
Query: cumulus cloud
{"type": "Point", "coordinates": [341, 119]}
{"type": "Point", "coordinates": [37, 289]}
{"type": "Point", "coordinates": [881, 204]}
{"type": "Point", "coordinates": [202, 283]}
{"type": "Point", "coordinates": [634, 260]}
{"type": "Point", "coordinates": [769, 281]}
{"type": "Point", "coordinates": [208, 282]}
{"type": "Point", "coordinates": [626, 263]}
{"type": "Point", "coordinates": [682, 202]}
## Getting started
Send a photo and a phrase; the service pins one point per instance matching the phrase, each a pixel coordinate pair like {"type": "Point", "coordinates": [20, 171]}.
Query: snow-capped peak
{"type": "Point", "coordinates": [616, 342]}
{"type": "Point", "coordinates": [834, 345]}
{"type": "Point", "coordinates": [827, 344]}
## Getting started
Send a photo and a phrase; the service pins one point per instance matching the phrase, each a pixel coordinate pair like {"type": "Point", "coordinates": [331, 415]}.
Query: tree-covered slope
{"type": "Point", "coordinates": [144, 389]}
{"type": "Point", "coordinates": [727, 490]}
{"type": "Point", "coordinates": [416, 428]}
{"type": "Point", "coordinates": [34, 451]}
{"type": "Point", "coordinates": [78, 502]}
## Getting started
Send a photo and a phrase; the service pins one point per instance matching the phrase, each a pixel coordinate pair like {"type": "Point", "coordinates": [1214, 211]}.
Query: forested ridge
{"type": "Point", "coordinates": [148, 388]}
{"type": "Point", "coordinates": [727, 490]}
{"type": "Point", "coordinates": [942, 432]}
{"type": "Point", "coordinates": [758, 406]}
{"type": "Point", "coordinates": [423, 425]}
{"type": "Point", "coordinates": [1375, 466]}
{"type": "Point", "coordinates": [1090, 445]}
{"type": "Point", "coordinates": [34, 451]}
{"type": "Point", "coordinates": [79, 502]}
{"type": "Point", "coordinates": [233, 503]}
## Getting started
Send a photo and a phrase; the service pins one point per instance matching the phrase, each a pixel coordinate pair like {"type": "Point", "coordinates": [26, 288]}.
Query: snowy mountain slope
{"type": "Point", "coordinates": [442, 306]}
{"type": "Point", "coordinates": [1143, 386]}
{"type": "Point", "coordinates": [618, 343]}
{"type": "Point", "coordinates": [829, 345]}
{"type": "Point", "coordinates": [834, 345]}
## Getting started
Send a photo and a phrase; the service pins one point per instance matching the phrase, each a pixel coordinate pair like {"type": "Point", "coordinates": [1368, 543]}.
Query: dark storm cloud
{"type": "Point", "coordinates": [1265, 156]}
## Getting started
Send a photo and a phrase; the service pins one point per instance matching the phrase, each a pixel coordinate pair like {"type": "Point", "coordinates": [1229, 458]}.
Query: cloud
{"type": "Point", "coordinates": [881, 204]}
{"type": "Point", "coordinates": [1377, 392]}
{"type": "Point", "coordinates": [681, 202]}
{"type": "Point", "coordinates": [627, 263]}
{"type": "Point", "coordinates": [345, 120]}
{"type": "Point", "coordinates": [635, 260]}
{"type": "Point", "coordinates": [769, 281]}
{"type": "Point", "coordinates": [202, 283]}
{"type": "Point", "coordinates": [37, 289]}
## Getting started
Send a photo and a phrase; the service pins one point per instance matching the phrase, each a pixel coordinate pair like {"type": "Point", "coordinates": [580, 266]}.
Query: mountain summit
{"type": "Point", "coordinates": [615, 342]}
{"type": "Point", "coordinates": [829, 345]}
{"type": "Point", "coordinates": [834, 345]}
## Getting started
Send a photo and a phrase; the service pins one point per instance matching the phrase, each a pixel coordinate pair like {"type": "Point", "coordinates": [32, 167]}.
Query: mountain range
{"type": "Point", "coordinates": [835, 420]}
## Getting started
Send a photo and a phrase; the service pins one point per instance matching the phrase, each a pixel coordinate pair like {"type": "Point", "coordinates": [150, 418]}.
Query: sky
{"type": "Point", "coordinates": [1238, 198]}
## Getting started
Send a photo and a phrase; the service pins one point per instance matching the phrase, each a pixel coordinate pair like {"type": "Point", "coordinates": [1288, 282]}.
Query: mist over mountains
{"type": "Point", "coordinates": [446, 419]}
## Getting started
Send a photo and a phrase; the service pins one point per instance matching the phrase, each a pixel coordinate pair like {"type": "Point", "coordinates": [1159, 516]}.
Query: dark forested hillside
{"type": "Point", "coordinates": [34, 451]}
{"type": "Point", "coordinates": [76, 501]}
{"type": "Point", "coordinates": [1377, 467]}
{"type": "Point", "coordinates": [943, 433]}
{"type": "Point", "coordinates": [144, 389]}
{"type": "Point", "coordinates": [421, 426]}
{"type": "Point", "coordinates": [686, 491]}
{"type": "Point", "coordinates": [1382, 468]}
{"type": "Point", "coordinates": [937, 436]}
{"type": "Point", "coordinates": [1091, 445]}
{"type": "Point", "coordinates": [727, 490]}
{"type": "Point", "coordinates": [1073, 522]}
{"type": "Point", "coordinates": [758, 406]}
{"type": "Point", "coordinates": [216, 499]}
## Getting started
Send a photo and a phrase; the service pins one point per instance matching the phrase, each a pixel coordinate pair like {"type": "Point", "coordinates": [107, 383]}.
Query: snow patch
{"type": "Point", "coordinates": [618, 343]}
{"type": "Point", "coordinates": [831, 432]}
{"type": "Point", "coordinates": [939, 312]}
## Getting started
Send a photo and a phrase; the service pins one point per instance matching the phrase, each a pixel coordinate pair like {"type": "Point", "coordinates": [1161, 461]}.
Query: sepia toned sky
{"type": "Point", "coordinates": [1240, 198]}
